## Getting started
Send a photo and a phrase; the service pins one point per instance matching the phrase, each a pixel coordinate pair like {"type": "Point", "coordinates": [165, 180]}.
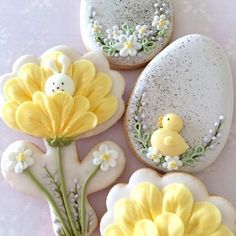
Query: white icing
{"type": "Point", "coordinates": [105, 157]}
{"type": "Point", "coordinates": [19, 158]}
{"type": "Point", "coordinates": [160, 22]}
{"type": "Point", "coordinates": [197, 188]}
{"type": "Point", "coordinates": [172, 163]}
{"type": "Point", "coordinates": [154, 155]}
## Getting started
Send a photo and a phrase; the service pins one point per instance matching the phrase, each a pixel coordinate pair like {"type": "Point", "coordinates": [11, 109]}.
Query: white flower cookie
{"type": "Point", "coordinates": [61, 97]}
{"type": "Point", "coordinates": [129, 33]}
{"type": "Point", "coordinates": [179, 114]}
{"type": "Point", "coordinates": [176, 204]}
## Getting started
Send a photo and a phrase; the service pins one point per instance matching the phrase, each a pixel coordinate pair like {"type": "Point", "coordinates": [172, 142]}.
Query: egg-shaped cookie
{"type": "Point", "coordinates": [179, 114]}
{"type": "Point", "coordinates": [130, 33]}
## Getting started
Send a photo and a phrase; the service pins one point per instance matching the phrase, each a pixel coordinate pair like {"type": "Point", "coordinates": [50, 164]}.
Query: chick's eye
{"type": "Point", "coordinates": [168, 119]}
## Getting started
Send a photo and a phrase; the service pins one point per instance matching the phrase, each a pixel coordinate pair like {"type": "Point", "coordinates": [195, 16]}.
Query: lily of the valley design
{"type": "Point", "coordinates": [58, 100]}
{"type": "Point", "coordinates": [127, 41]}
{"type": "Point", "coordinates": [180, 155]}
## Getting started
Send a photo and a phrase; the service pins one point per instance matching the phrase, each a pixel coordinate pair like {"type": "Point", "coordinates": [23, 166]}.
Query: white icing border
{"type": "Point", "coordinates": [197, 188]}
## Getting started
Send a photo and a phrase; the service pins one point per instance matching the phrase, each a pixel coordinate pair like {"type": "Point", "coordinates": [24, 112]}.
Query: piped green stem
{"type": "Point", "coordinates": [50, 200]}
{"type": "Point", "coordinates": [64, 192]}
{"type": "Point", "coordinates": [83, 200]}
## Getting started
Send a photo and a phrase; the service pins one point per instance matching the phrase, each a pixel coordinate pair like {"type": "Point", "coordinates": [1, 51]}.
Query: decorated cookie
{"type": "Point", "coordinates": [176, 204]}
{"type": "Point", "coordinates": [61, 97]}
{"type": "Point", "coordinates": [180, 112]}
{"type": "Point", "coordinates": [130, 33]}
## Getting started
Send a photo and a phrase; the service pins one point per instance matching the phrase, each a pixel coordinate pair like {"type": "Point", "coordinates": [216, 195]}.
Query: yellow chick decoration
{"type": "Point", "coordinates": [167, 139]}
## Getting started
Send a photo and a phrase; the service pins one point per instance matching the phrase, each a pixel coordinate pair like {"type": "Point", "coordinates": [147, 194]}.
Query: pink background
{"type": "Point", "coordinates": [31, 27]}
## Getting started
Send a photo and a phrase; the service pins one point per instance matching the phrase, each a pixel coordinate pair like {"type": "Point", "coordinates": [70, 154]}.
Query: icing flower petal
{"type": "Point", "coordinates": [145, 228]}
{"type": "Point", "coordinates": [178, 199]}
{"type": "Point", "coordinates": [47, 116]}
{"type": "Point", "coordinates": [223, 231]}
{"type": "Point", "coordinates": [169, 225]}
{"type": "Point", "coordinates": [204, 220]}
{"type": "Point", "coordinates": [149, 198]}
{"type": "Point", "coordinates": [127, 214]}
{"type": "Point", "coordinates": [114, 230]}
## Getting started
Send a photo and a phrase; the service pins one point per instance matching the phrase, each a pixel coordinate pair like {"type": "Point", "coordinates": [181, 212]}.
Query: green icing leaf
{"type": "Point", "coordinates": [148, 45]}
{"type": "Point", "coordinates": [109, 48]}
{"type": "Point", "coordinates": [162, 32]}
{"type": "Point", "coordinates": [127, 29]}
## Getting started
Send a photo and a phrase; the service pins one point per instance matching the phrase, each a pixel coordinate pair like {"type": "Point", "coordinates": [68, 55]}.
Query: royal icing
{"type": "Point", "coordinates": [59, 98]}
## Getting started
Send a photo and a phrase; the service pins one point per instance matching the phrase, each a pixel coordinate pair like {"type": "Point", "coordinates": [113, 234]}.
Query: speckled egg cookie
{"type": "Point", "coordinates": [179, 114]}
{"type": "Point", "coordinates": [130, 33]}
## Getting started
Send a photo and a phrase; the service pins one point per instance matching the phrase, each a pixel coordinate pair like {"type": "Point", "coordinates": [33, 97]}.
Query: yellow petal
{"type": "Point", "coordinates": [148, 197]}
{"type": "Point", "coordinates": [127, 214]}
{"type": "Point", "coordinates": [205, 219]}
{"type": "Point", "coordinates": [178, 199]}
{"type": "Point", "coordinates": [32, 120]}
{"type": "Point", "coordinates": [59, 114]}
{"type": "Point", "coordinates": [169, 224]}
{"type": "Point", "coordinates": [9, 114]}
{"type": "Point", "coordinates": [15, 90]}
{"type": "Point", "coordinates": [223, 231]}
{"type": "Point", "coordinates": [114, 230]}
{"type": "Point", "coordinates": [83, 73]}
{"type": "Point", "coordinates": [145, 228]}
{"type": "Point", "coordinates": [32, 77]}
{"type": "Point", "coordinates": [105, 108]}
{"type": "Point", "coordinates": [54, 56]}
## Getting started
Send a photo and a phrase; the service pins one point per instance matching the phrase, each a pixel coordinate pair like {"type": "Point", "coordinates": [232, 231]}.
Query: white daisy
{"type": "Point", "coordinates": [128, 45]}
{"type": "Point", "coordinates": [160, 22]}
{"type": "Point", "coordinates": [172, 163]}
{"type": "Point", "coordinates": [96, 27]}
{"type": "Point", "coordinates": [105, 157]}
{"type": "Point", "coordinates": [141, 30]}
{"type": "Point", "coordinates": [114, 33]}
{"type": "Point", "coordinates": [19, 159]}
{"type": "Point", "coordinates": [154, 155]}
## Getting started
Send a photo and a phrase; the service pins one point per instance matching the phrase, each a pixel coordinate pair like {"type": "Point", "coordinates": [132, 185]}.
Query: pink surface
{"type": "Point", "coordinates": [31, 27]}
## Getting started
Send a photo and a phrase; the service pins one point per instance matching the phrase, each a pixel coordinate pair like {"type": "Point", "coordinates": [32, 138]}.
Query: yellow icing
{"type": "Point", "coordinates": [170, 212]}
{"type": "Point", "coordinates": [21, 157]}
{"type": "Point", "coordinates": [167, 138]}
{"type": "Point", "coordinates": [29, 110]}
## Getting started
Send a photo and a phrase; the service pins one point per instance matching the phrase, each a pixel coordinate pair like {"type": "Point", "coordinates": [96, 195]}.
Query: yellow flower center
{"type": "Point", "coordinates": [173, 164]}
{"type": "Point", "coordinates": [20, 157]}
{"type": "Point", "coordinates": [128, 44]}
{"type": "Point", "coordinates": [96, 29]}
{"type": "Point", "coordinates": [115, 34]}
{"type": "Point", "coordinates": [142, 30]}
{"type": "Point", "coordinates": [162, 22]}
{"type": "Point", "coordinates": [105, 157]}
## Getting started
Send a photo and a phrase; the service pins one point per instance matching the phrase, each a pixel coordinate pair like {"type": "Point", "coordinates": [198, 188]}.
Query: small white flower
{"type": "Point", "coordinates": [128, 45]}
{"type": "Point", "coordinates": [114, 33]}
{"type": "Point", "coordinates": [172, 163]}
{"type": "Point", "coordinates": [160, 22]}
{"type": "Point", "coordinates": [141, 31]}
{"type": "Point", "coordinates": [154, 155]}
{"type": "Point", "coordinates": [96, 27]}
{"type": "Point", "coordinates": [20, 159]}
{"type": "Point", "coordinates": [105, 157]}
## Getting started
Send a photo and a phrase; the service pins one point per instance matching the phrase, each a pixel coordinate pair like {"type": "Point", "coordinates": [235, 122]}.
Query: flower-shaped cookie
{"type": "Point", "coordinates": [173, 205]}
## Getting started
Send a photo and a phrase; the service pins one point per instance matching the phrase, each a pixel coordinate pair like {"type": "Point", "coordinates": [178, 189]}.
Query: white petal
{"type": "Point", "coordinates": [138, 27]}
{"type": "Point", "coordinates": [137, 46]}
{"type": "Point", "coordinates": [113, 154]}
{"type": "Point", "coordinates": [168, 158]}
{"type": "Point", "coordinates": [180, 163]}
{"type": "Point", "coordinates": [29, 161]}
{"type": "Point", "coordinates": [10, 165]}
{"type": "Point", "coordinates": [28, 153]}
{"type": "Point", "coordinates": [103, 148]}
{"type": "Point", "coordinates": [132, 38]}
{"type": "Point", "coordinates": [163, 17]}
{"type": "Point", "coordinates": [165, 165]}
{"type": "Point", "coordinates": [175, 158]}
{"type": "Point", "coordinates": [112, 163]}
{"type": "Point", "coordinates": [154, 24]}
{"type": "Point", "coordinates": [123, 38]}
{"type": "Point", "coordinates": [23, 165]}
{"type": "Point", "coordinates": [156, 18]}
{"type": "Point", "coordinates": [159, 27]}
{"type": "Point", "coordinates": [12, 156]}
{"type": "Point", "coordinates": [132, 52]}
{"type": "Point", "coordinates": [109, 31]}
{"type": "Point", "coordinates": [18, 169]}
{"type": "Point", "coordinates": [119, 46]}
{"type": "Point", "coordinates": [20, 148]}
{"type": "Point", "coordinates": [115, 28]}
{"type": "Point", "coordinates": [104, 166]}
{"type": "Point", "coordinates": [124, 52]}
{"type": "Point", "coordinates": [97, 154]}
{"type": "Point", "coordinates": [97, 161]}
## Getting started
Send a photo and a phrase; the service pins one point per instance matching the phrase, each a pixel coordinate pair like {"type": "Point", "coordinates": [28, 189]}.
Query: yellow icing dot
{"type": "Point", "coordinates": [21, 157]}
{"type": "Point", "coordinates": [162, 22]}
{"type": "Point", "coordinates": [172, 212]}
{"type": "Point", "coordinates": [128, 45]}
{"type": "Point", "coordinates": [105, 157]}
